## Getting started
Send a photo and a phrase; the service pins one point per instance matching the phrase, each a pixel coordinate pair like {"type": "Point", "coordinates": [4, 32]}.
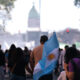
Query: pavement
{"type": "Point", "coordinates": [28, 77]}
{"type": "Point", "coordinates": [7, 77]}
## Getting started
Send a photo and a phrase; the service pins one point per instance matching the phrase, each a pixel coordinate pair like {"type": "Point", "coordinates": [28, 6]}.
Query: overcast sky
{"type": "Point", "coordinates": [56, 15]}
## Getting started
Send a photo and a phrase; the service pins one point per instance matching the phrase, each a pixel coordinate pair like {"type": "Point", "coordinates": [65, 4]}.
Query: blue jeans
{"type": "Point", "coordinates": [15, 77]}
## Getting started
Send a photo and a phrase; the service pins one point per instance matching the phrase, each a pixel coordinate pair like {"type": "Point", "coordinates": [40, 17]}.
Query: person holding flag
{"type": "Point", "coordinates": [45, 58]}
{"type": "Point", "coordinates": [36, 54]}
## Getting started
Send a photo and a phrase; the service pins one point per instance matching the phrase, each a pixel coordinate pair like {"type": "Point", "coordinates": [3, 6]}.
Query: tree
{"type": "Point", "coordinates": [77, 3]}
{"type": "Point", "coordinates": [5, 11]}
{"type": "Point", "coordinates": [8, 4]}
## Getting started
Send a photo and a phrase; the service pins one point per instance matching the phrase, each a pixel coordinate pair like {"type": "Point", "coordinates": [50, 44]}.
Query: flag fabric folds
{"type": "Point", "coordinates": [49, 58]}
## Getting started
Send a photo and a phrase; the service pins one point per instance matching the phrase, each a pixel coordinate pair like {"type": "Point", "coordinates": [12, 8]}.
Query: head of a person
{"type": "Point", "coordinates": [43, 39]}
{"type": "Point", "coordinates": [19, 52]}
{"type": "Point", "coordinates": [71, 53]}
{"type": "Point", "coordinates": [25, 48]}
{"type": "Point", "coordinates": [74, 45]}
{"type": "Point", "coordinates": [60, 49]}
{"type": "Point", "coordinates": [12, 46]}
{"type": "Point", "coordinates": [66, 47]}
{"type": "Point", "coordinates": [0, 46]}
{"type": "Point", "coordinates": [12, 49]}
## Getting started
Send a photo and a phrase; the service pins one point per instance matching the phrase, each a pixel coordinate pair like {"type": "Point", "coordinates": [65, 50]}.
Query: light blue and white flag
{"type": "Point", "coordinates": [49, 58]}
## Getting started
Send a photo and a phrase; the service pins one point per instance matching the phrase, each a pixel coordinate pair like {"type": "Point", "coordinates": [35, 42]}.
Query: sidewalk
{"type": "Point", "coordinates": [8, 78]}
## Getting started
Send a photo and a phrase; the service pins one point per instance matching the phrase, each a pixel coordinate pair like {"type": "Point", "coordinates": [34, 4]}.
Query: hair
{"type": "Point", "coordinates": [74, 45]}
{"type": "Point", "coordinates": [20, 56]}
{"type": "Point", "coordinates": [71, 53]}
{"type": "Point", "coordinates": [0, 46]}
{"type": "Point", "coordinates": [12, 46]}
{"type": "Point", "coordinates": [60, 49]}
{"type": "Point", "coordinates": [43, 39]}
{"type": "Point", "coordinates": [11, 56]}
{"type": "Point", "coordinates": [2, 58]}
{"type": "Point", "coordinates": [16, 56]}
{"type": "Point", "coordinates": [19, 52]}
{"type": "Point", "coordinates": [25, 48]}
{"type": "Point", "coordinates": [66, 47]}
{"type": "Point", "coordinates": [12, 50]}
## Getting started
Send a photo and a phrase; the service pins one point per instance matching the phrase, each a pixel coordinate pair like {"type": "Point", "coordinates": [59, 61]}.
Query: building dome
{"type": "Point", "coordinates": [33, 13]}
{"type": "Point", "coordinates": [34, 18]}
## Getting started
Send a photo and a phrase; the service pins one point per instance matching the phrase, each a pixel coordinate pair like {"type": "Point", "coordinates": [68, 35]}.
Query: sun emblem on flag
{"type": "Point", "coordinates": [51, 56]}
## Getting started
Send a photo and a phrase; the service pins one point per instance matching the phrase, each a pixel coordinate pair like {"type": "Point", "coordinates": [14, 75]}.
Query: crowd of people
{"type": "Point", "coordinates": [69, 61]}
{"type": "Point", "coordinates": [16, 61]}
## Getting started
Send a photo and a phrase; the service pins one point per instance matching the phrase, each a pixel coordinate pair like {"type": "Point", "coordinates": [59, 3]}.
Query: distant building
{"type": "Point", "coordinates": [34, 32]}
{"type": "Point", "coordinates": [32, 36]}
{"type": "Point", "coordinates": [33, 18]}
{"type": "Point", "coordinates": [70, 37]}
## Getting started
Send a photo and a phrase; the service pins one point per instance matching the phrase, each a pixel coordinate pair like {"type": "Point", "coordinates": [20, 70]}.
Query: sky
{"type": "Point", "coordinates": [55, 15]}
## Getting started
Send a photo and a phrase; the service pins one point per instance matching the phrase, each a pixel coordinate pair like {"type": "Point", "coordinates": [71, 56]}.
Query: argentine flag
{"type": "Point", "coordinates": [49, 58]}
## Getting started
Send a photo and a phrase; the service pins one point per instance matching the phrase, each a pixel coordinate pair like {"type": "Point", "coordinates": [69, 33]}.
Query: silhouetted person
{"type": "Point", "coordinates": [0, 48]}
{"type": "Point", "coordinates": [11, 56]}
{"type": "Point", "coordinates": [19, 64]}
{"type": "Point", "coordinates": [2, 64]}
{"type": "Point", "coordinates": [37, 56]}
{"type": "Point", "coordinates": [72, 64]}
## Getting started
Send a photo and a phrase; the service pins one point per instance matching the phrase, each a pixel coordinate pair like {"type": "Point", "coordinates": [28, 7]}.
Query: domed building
{"type": "Point", "coordinates": [34, 18]}
{"type": "Point", "coordinates": [34, 32]}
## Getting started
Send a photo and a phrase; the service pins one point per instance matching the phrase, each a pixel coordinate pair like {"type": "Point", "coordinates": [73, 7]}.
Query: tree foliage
{"type": "Point", "coordinates": [77, 3]}
{"type": "Point", "coordinates": [8, 4]}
